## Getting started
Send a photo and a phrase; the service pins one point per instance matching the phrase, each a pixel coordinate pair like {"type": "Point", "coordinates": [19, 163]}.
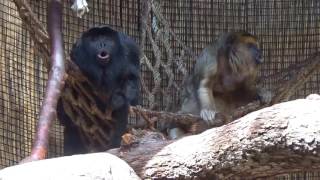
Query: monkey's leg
{"type": "Point", "coordinates": [72, 141]}
{"type": "Point", "coordinates": [175, 133]}
{"type": "Point", "coordinates": [120, 118]}
{"type": "Point", "coordinates": [72, 138]}
{"type": "Point", "coordinates": [208, 108]}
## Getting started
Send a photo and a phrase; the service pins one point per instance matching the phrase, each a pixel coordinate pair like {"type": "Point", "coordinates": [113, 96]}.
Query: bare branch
{"type": "Point", "coordinates": [55, 83]}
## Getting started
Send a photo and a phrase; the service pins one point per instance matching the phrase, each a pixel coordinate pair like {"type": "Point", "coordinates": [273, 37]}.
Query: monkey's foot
{"type": "Point", "coordinates": [265, 96]}
{"type": "Point", "coordinates": [175, 133]}
{"type": "Point", "coordinates": [208, 115]}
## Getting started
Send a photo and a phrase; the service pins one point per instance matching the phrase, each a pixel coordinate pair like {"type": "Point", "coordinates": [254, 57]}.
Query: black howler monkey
{"type": "Point", "coordinates": [110, 60]}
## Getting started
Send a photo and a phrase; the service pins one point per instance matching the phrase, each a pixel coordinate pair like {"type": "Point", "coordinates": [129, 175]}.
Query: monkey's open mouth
{"type": "Point", "coordinates": [103, 57]}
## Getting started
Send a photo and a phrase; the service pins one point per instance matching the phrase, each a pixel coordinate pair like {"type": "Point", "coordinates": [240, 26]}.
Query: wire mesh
{"type": "Point", "coordinates": [22, 79]}
{"type": "Point", "coordinates": [289, 32]}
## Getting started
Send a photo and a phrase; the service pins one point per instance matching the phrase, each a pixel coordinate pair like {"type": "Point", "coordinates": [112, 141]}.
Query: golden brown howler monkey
{"type": "Point", "coordinates": [224, 77]}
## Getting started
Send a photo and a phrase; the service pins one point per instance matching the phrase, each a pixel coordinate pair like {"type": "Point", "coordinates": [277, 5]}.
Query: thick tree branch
{"type": "Point", "coordinates": [279, 139]}
{"type": "Point", "coordinates": [55, 82]}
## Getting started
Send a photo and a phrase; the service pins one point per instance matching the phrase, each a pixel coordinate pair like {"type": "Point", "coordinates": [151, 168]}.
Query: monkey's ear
{"type": "Point", "coordinates": [75, 52]}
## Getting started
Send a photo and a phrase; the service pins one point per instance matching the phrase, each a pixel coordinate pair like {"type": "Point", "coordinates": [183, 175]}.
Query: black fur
{"type": "Point", "coordinates": [116, 76]}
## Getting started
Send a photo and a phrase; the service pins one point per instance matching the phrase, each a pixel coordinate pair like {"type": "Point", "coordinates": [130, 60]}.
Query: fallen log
{"type": "Point", "coordinates": [279, 139]}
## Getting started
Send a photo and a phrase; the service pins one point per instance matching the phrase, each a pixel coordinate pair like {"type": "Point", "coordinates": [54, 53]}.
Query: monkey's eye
{"type": "Point", "coordinates": [103, 57]}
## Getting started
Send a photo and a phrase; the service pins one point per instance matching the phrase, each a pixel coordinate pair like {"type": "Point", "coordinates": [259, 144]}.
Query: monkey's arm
{"type": "Point", "coordinates": [206, 101]}
{"type": "Point", "coordinates": [132, 91]}
{"type": "Point", "coordinates": [127, 93]}
{"type": "Point", "coordinates": [206, 69]}
{"type": "Point", "coordinates": [262, 93]}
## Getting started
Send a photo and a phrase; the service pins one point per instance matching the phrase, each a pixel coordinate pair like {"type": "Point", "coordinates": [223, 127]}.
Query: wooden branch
{"type": "Point", "coordinates": [187, 119]}
{"type": "Point", "coordinates": [55, 83]}
{"type": "Point", "coordinates": [88, 166]}
{"type": "Point", "coordinates": [279, 139]}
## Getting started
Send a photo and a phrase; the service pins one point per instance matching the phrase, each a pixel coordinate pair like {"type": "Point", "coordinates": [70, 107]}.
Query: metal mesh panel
{"type": "Point", "coordinates": [289, 31]}
{"type": "Point", "coordinates": [23, 78]}
{"type": "Point", "coordinates": [23, 75]}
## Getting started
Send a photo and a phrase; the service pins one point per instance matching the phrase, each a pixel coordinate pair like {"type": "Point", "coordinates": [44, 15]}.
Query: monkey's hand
{"type": "Point", "coordinates": [208, 115]}
{"type": "Point", "coordinates": [264, 95]}
{"type": "Point", "coordinates": [207, 102]}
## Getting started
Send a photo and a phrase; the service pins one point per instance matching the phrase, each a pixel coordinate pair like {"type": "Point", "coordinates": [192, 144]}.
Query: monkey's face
{"type": "Point", "coordinates": [239, 58]}
{"type": "Point", "coordinates": [247, 43]}
{"type": "Point", "coordinates": [244, 54]}
{"type": "Point", "coordinates": [110, 61]}
{"type": "Point", "coordinates": [97, 54]}
{"type": "Point", "coordinates": [244, 59]}
{"type": "Point", "coordinates": [102, 49]}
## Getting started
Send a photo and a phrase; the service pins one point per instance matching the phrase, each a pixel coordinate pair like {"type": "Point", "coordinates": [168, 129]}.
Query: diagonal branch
{"type": "Point", "coordinates": [54, 85]}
